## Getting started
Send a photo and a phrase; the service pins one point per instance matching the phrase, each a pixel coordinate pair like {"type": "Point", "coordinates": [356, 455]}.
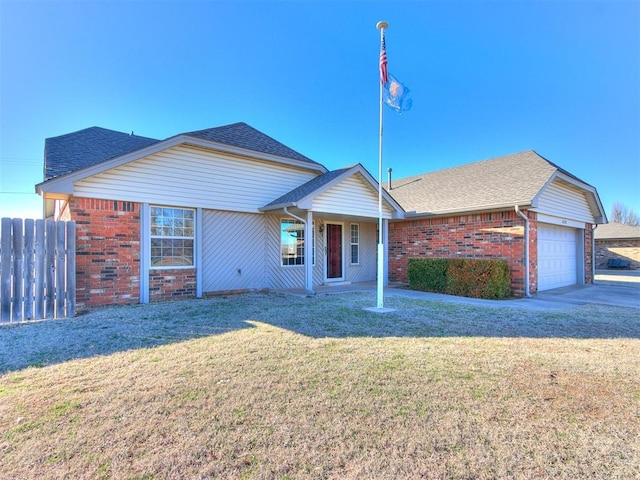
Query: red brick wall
{"type": "Point", "coordinates": [172, 284]}
{"type": "Point", "coordinates": [487, 235]}
{"type": "Point", "coordinates": [108, 257]}
{"type": "Point", "coordinates": [107, 251]}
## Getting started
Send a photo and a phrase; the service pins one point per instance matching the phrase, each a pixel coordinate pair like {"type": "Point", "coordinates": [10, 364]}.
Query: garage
{"type": "Point", "coordinates": [557, 256]}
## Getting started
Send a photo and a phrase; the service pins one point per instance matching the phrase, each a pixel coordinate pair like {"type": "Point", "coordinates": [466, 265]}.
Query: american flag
{"type": "Point", "coordinates": [384, 75]}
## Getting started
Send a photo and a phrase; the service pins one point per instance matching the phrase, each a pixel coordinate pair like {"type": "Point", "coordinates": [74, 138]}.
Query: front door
{"type": "Point", "coordinates": [334, 251]}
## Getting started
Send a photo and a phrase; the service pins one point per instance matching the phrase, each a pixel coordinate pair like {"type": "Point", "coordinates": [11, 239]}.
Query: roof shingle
{"type": "Point", "coordinates": [509, 180]}
{"type": "Point", "coordinates": [614, 230]}
{"type": "Point", "coordinates": [244, 136]}
{"type": "Point", "coordinates": [73, 151]}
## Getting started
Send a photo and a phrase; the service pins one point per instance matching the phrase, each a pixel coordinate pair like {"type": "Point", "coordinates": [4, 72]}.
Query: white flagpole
{"type": "Point", "coordinates": [380, 285]}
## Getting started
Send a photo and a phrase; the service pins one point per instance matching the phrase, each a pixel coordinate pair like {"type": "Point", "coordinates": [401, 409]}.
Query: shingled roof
{"type": "Point", "coordinates": [73, 151]}
{"type": "Point", "coordinates": [77, 150]}
{"type": "Point", "coordinates": [499, 182]}
{"type": "Point", "coordinates": [617, 231]}
{"type": "Point", "coordinates": [244, 136]}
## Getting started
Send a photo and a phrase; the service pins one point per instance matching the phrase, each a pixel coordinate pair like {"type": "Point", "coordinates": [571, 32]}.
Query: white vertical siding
{"type": "Point", "coordinates": [194, 177]}
{"type": "Point", "coordinates": [561, 200]}
{"type": "Point", "coordinates": [353, 196]}
{"type": "Point", "coordinates": [233, 251]}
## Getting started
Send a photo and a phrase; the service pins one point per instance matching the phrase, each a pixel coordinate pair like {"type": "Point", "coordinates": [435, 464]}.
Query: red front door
{"type": "Point", "coordinates": [334, 251]}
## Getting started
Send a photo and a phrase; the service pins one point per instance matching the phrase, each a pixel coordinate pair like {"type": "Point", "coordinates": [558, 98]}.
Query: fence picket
{"type": "Point", "coordinates": [28, 269]}
{"type": "Point", "coordinates": [37, 269]}
{"type": "Point", "coordinates": [49, 266]}
{"type": "Point", "coordinates": [5, 269]}
{"type": "Point", "coordinates": [18, 272]}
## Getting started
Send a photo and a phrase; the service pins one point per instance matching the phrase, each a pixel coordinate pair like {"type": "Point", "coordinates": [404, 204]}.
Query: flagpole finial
{"type": "Point", "coordinates": [381, 25]}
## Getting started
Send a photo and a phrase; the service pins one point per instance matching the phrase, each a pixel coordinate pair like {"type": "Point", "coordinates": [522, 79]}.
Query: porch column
{"type": "Point", "coordinates": [308, 252]}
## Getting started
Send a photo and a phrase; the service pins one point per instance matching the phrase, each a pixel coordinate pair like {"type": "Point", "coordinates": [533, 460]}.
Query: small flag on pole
{"type": "Point", "coordinates": [384, 75]}
{"type": "Point", "coordinates": [396, 95]}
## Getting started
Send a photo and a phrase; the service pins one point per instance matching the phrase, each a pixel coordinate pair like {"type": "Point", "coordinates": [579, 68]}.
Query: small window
{"type": "Point", "coordinates": [172, 237]}
{"type": "Point", "coordinates": [355, 243]}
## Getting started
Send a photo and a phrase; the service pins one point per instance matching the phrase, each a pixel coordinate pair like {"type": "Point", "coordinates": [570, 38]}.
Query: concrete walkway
{"type": "Point", "coordinates": [617, 288]}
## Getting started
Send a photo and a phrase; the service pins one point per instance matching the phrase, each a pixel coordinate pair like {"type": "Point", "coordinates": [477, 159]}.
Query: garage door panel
{"type": "Point", "coordinates": [557, 257]}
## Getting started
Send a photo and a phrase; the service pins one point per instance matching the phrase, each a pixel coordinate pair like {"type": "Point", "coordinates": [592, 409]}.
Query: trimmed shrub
{"type": "Point", "coordinates": [465, 277]}
{"type": "Point", "coordinates": [427, 274]}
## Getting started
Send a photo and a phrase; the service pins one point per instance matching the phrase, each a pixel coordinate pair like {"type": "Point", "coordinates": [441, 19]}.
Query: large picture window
{"type": "Point", "coordinates": [172, 237]}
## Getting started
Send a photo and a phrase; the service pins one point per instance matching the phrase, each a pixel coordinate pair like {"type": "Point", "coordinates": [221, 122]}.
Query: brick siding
{"type": "Point", "coordinates": [172, 284]}
{"type": "Point", "coordinates": [487, 235]}
{"type": "Point", "coordinates": [108, 257]}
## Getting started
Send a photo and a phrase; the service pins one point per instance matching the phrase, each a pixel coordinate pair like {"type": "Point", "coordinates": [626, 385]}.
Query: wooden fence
{"type": "Point", "coordinates": [37, 269]}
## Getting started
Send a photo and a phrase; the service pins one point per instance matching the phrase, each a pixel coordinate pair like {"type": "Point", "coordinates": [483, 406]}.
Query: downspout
{"type": "Point", "coordinates": [307, 286]}
{"type": "Point", "coordinates": [527, 293]}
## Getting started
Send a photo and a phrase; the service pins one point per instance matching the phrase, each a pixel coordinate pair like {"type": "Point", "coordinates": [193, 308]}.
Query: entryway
{"type": "Point", "coordinates": [334, 267]}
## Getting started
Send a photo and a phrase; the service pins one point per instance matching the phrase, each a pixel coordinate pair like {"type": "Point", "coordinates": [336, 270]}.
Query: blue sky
{"type": "Point", "coordinates": [487, 78]}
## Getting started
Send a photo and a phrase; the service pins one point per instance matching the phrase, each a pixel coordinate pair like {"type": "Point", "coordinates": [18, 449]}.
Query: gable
{"type": "Point", "coordinates": [197, 177]}
{"type": "Point", "coordinates": [352, 196]}
{"type": "Point", "coordinates": [561, 199]}
{"type": "Point", "coordinates": [95, 150]}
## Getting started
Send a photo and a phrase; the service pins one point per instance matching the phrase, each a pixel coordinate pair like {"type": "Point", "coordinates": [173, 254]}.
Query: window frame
{"type": "Point", "coordinates": [354, 244]}
{"type": "Point", "coordinates": [153, 237]}
{"type": "Point", "coordinates": [304, 243]}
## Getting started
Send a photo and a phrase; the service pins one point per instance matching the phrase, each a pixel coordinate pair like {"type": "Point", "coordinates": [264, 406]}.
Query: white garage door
{"type": "Point", "coordinates": [557, 266]}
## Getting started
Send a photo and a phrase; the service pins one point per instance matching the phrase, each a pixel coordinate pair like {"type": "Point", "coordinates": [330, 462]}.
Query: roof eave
{"type": "Point", "coordinates": [473, 211]}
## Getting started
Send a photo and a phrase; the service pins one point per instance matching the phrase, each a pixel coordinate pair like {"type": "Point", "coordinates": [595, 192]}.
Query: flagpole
{"type": "Point", "coordinates": [380, 284]}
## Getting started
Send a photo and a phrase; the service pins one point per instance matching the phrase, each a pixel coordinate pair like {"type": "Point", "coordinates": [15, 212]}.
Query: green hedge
{"type": "Point", "coordinates": [465, 277]}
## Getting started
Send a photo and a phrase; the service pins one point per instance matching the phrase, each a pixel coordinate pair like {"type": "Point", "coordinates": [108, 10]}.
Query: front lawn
{"type": "Point", "coordinates": [269, 386]}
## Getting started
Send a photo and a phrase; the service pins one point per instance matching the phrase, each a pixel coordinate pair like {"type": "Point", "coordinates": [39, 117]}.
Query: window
{"type": "Point", "coordinates": [355, 243]}
{"type": "Point", "coordinates": [172, 237]}
{"type": "Point", "coordinates": [292, 242]}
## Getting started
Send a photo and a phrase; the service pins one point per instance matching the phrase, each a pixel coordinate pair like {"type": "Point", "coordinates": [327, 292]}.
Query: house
{"type": "Point", "coordinates": [616, 241]}
{"type": "Point", "coordinates": [216, 210]}
{"type": "Point", "coordinates": [521, 207]}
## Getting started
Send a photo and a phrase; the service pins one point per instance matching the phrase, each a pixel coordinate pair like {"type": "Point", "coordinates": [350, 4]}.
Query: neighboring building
{"type": "Point", "coordinates": [217, 210]}
{"type": "Point", "coordinates": [520, 207]}
{"type": "Point", "coordinates": [617, 241]}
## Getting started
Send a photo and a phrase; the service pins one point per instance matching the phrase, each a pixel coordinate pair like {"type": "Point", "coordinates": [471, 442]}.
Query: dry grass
{"type": "Point", "coordinates": [263, 386]}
